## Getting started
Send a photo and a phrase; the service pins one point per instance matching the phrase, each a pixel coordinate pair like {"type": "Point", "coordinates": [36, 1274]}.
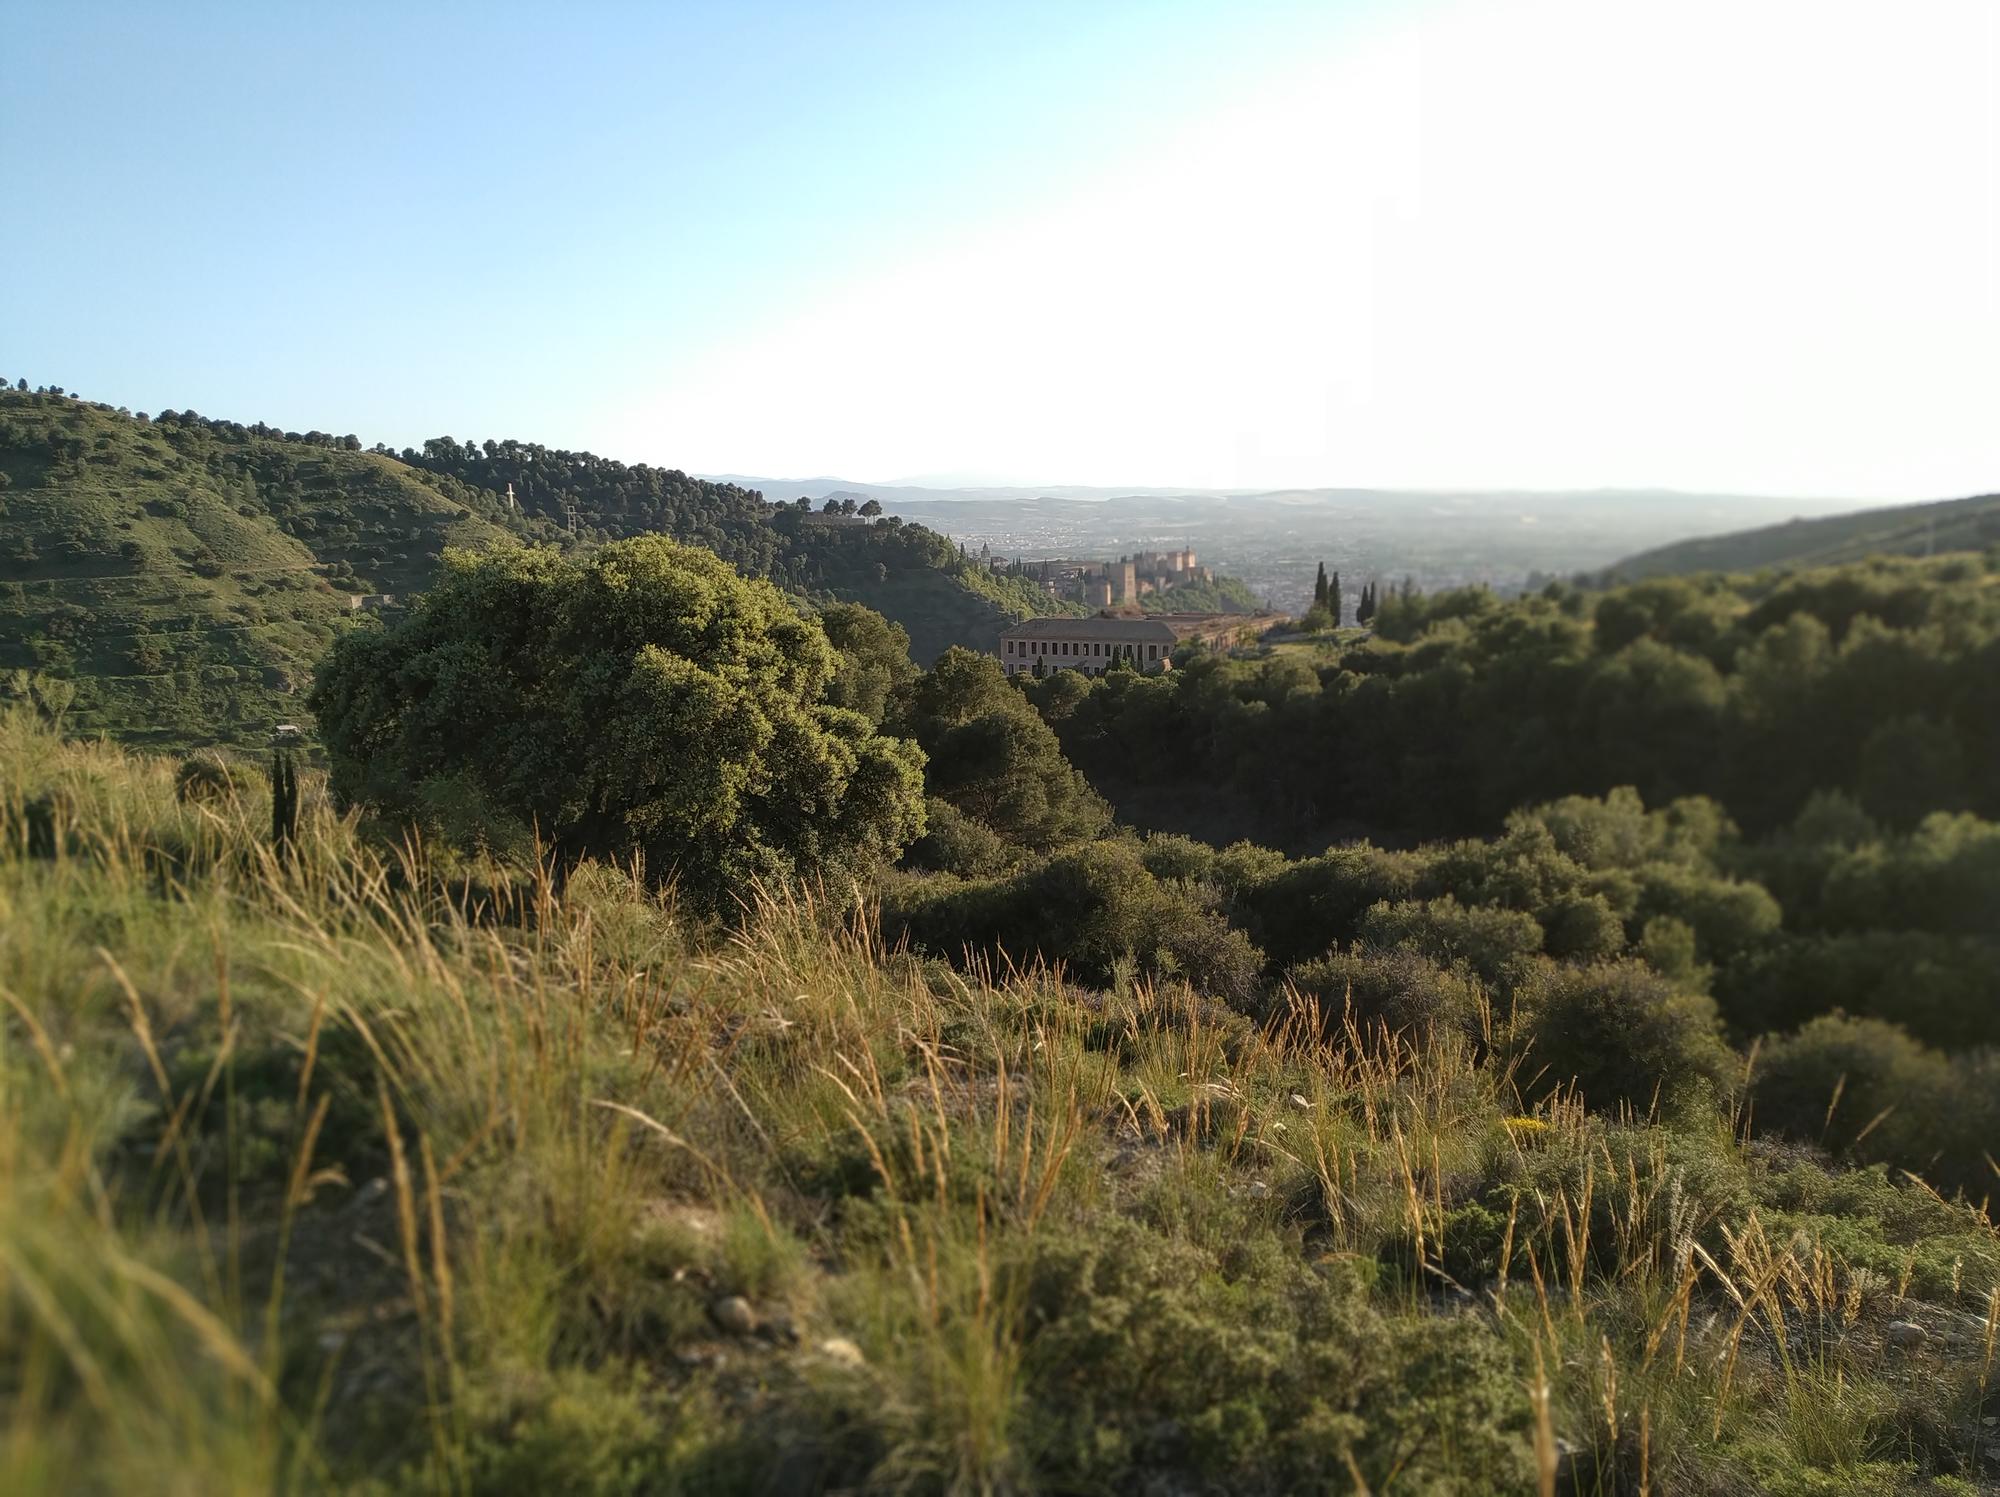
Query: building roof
{"type": "Point", "coordinates": [1138, 631]}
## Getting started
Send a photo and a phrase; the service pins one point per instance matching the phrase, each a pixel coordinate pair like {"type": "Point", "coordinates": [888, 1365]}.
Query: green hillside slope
{"type": "Point", "coordinates": [907, 572]}
{"type": "Point", "coordinates": [182, 576]}
{"type": "Point", "coordinates": [173, 580]}
{"type": "Point", "coordinates": [1223, 595]}
{"type": "Point", "coordinates": [1901, 530]}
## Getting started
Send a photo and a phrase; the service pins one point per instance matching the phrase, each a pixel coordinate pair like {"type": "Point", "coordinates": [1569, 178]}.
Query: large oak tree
{"type": "Point", "coordinates": [642, 699]}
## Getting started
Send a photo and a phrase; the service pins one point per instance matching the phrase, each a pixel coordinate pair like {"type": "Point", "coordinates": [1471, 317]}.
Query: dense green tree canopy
{"type": "Point", "coordinates": [874, 658]}
{"type": "Point", "coordinates": [1876, 680]}
{"type": "Point", "coordinates": [642, 700]}
{"type": "Point", "coordinates": [993, 757]}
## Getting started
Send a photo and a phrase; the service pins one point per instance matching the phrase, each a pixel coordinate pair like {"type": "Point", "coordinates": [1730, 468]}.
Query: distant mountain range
{"type": "Point", "coordinates": [824, 487]}
{"type": "Point", "coordinates": [1274, 540]}
{"type": "Point", "coordinates": [1902, 529]}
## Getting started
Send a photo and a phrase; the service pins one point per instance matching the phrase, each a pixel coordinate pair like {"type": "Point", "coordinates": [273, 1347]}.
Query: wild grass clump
{"type": "Point", "coordinates": [334, 1172]}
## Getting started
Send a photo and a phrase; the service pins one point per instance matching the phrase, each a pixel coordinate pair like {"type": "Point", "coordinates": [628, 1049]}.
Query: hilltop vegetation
{"type": "Point", "coordinates": [173, 579]}
{"type": "Point", "coordinates": [908, 573]}
{"type": "Point", "coordinates": [1833, 540]}
{"type": "Point", "coordinates": [1224, 595]}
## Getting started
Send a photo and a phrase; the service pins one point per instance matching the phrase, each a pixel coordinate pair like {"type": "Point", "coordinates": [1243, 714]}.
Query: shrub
{"type": "Point", "coordinates": [993, 757]}
{"type": "Point", "coordinates": [874, 658]}
{"type": "Point", "coordinates": [1728, 918]}
{"type": "Point", "coordinates": [1492, 942]}
{"type": "Point", "coordinates": [1583, 928]}
{"type": "Point", "coordinates": [207, 778]}
{"type": "Point", "coordinates": [955, 843]}
{"type": "Point", "coordinates": [1622, 1035]}
{"type": "Point", "coordinates": [1095, 909]}
{"type": "Point", "coordinates": [1909, 766]}
{"type": "Point", "coordinates": [1866, 1089]}
{"type": "Point", "coordinates": [1944, 989]}
{"type": "Point", "coordinates": [1668, 947]}
{"type": "Point", "coordinates": [1151, 1371]}
{"type": "Point", "coordinates": [1168, 856]}
{"type": "Point", "coordinates": [1943, 877]}
{"type": "Point", "coordinates": [1397, 988]}
{"type": "Point", "coordinates": [1298, 911]}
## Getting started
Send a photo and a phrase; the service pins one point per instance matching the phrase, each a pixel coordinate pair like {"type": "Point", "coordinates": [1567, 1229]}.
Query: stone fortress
{"type": "Point", "coordinates": [1107, 584]}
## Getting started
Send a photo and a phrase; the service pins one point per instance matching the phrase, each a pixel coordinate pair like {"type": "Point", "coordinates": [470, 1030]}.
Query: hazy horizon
{"type": "Point", "coordinates": [939, 485]}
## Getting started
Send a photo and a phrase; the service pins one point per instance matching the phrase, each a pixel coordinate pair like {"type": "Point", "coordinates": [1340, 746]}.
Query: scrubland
{"type": "Point", "coordinates": [378, 1168]}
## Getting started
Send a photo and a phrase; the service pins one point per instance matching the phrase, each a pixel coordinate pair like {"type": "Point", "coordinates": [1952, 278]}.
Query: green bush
{"type": "Point", "coordinates": [1582, 928]}
{"type": "Point", "coordinates": [1095, 909]}
{"type": "Point", "coordinates": [955, 843]}
{"type": "Point", "coordinates": [1168, 856]}
{"type": "Point", "coordinates": [992, 757]}
{"type": "Point", "coordinates": [1494, 943]}
{"type": "Point", "coordinates": [1728, 918]}
{"type": "Point", "coordinates": [1150, 1370]}
{"type": "Point", "coordinates": [1943, 989]}
{"type": "Point", "coordinates": [1865, 1089]}
{"type": "Point", "coordinates": [208, 778]}
{"type": "Point", "coordinates": [1397, 988]}
{"type": "Point", "coordinates": [1622, 1035]}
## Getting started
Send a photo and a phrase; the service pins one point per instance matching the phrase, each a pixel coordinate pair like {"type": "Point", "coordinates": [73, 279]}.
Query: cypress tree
{"type": "Point", "coordinates": [1319, 587]}
{"type": "Point", "coordinates": [284, 804]}
{"type": "Point", "coordinates": [1333, 599]}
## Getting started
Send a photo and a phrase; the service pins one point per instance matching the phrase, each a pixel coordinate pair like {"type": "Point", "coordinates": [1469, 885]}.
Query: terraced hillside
{"type": "Point", "coordinates": [1898, 530]}
{"type": "Point", "coordinates": [175, 579]}
{"type": "Point", "coordinates": [172, 580]}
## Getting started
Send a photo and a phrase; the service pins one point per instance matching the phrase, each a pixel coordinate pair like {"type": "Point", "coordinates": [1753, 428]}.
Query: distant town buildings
{"type": "Point", "coordinates": [1106, 584]}
{"type": "Point", "coordinates": [1145, 642]}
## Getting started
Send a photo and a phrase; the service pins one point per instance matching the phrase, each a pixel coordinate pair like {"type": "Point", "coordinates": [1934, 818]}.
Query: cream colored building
{"type": "Point", "coordinates": [1088, 645]}
{"type": "Point", "coordinates": [1145, 642]}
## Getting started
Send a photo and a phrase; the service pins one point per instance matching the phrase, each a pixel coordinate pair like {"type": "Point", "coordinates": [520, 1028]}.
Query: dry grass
{"type": "Point", "coordinates": [383, 1167]}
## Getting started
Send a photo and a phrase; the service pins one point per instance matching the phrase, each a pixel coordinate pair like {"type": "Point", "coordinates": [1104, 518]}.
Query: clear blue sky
{"type": "Point", "coordinates": [399, 218]}
{"type": "Point", "coordinates": [1711, 243]}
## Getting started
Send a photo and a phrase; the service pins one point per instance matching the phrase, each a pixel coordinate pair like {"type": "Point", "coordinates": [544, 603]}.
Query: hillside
{"type": "Point", "coordinates": [913, 575]}
{"type": "Point", "coordinates": [184, 575]}
{"type": "Point", "coordinates": [318, 1182]}
{"type": "Point", "coordinates": [175, 578]}
{"type": "Point", "coordinates": [1224, 595]}
{"type": "Point", "coordinates": [1898, 530]}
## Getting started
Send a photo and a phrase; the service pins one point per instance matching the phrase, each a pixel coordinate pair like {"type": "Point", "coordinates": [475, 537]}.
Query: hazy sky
{"type": "Point", "coordinates": [1726, 244]}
